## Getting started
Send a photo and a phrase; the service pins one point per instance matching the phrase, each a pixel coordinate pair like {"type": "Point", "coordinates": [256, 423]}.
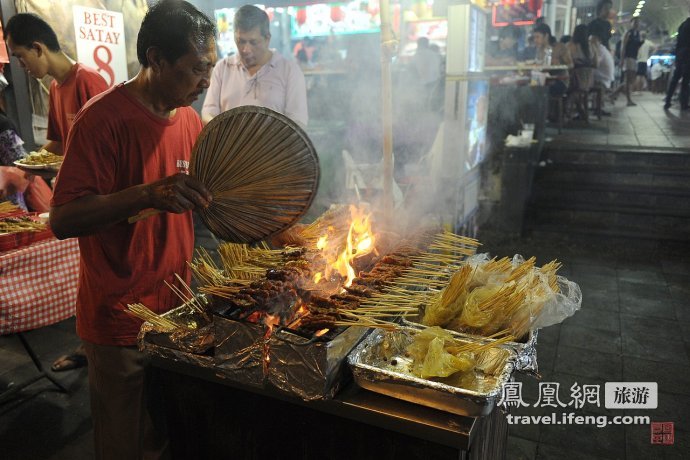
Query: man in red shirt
{"type": "Point", "coordinates": [129, 150]}
{"type": "Point", "coordinates": [32, 41]}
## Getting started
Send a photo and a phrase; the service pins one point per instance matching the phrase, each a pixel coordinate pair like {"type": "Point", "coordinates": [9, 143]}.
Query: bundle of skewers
{"type": "Point", "coordinates": [7, 207]}
{"type": "Point", "coordinates": [282, 282]}
{"type": "Point", "coordinates": [481, 296]}
{"type": "Point", "coordinates": [192, 315]}
{"type": "Point", "coordinates": [20, 224]}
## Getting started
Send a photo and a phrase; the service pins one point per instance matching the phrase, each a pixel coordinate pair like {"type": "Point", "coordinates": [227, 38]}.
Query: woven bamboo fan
{"type": "Point", "coordinates": [262, 170]}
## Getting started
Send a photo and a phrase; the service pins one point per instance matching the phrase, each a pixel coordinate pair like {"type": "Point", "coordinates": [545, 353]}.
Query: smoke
{"type": "Point", "coordinates": [350, 143]}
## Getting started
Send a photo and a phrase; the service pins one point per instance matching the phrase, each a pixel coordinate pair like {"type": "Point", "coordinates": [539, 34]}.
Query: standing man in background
{"type": "Point", "coordinates": [32, 41]}
{"type": "Point", "coordinates": [629, 49]}
{"type": "Point", "coordinates": [600, 27]}
{"type": "Point", "coordinates": [256, 75]}
{"type": "Point", "coordinates": [682, 68]}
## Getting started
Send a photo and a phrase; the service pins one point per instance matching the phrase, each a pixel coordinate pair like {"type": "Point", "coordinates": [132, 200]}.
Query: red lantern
{"type": "Point", "coordinates": [337, 14]}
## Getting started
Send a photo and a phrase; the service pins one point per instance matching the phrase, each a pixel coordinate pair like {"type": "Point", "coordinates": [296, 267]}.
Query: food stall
{"type": "Point", "coordinates": [38, 286]}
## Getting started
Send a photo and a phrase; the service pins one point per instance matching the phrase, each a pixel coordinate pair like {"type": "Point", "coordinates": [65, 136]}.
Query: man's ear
{"type": "Point", "coordinates": [154, 58]}
{"type": "Point", "coordinates": [38, 47]}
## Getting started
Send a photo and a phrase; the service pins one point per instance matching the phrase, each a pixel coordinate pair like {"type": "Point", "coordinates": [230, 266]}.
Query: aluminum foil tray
{"type": "Point", "coordinates": [199, 340]}
{"type": "Point", "coordinates": [379, 364]}
{"type": "Point", "coordinates": [310, 370]}
{"type": "Point", "coordinates": [526, 351]}
{"type": "Point", "coordinates": [298, 366]}
{"type": "Point", "coordinates": [239, 350]}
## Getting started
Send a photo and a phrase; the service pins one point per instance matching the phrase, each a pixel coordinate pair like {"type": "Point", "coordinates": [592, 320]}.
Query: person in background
{"type": "Point", "coordinates": [604, 71]}
{"type": "Point", "coordinates": [643, 54]}
{"type": "Point", "coordinates": [629, 48]}
{"type": "Point", "coordinates": [129, 150]}
{"type": "Point", "coordinates": [582, 75]}
{"type": "Point", "coordinates": [25, 190]}
{"type": "Point", "coordinates": [682, 68]}
{"type": "Point", "coordinates": [256, 75]}
{"type": "Point", "coordinates": [32, 41]}
{"type": "Point", "coordinates": [529, 53]}
{"type": "Point", "coordinates": [600, 26]}
{"type": "Point", "coordinates": [427, 64]}
{"type": "Point", "coordinates": [559, 56]}
{"type": "Point", "coordinates": [505, 51]}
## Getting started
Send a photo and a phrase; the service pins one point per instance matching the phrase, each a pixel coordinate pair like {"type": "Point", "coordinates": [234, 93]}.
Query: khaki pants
{"type": "Point", "coordinates": [121, 405]}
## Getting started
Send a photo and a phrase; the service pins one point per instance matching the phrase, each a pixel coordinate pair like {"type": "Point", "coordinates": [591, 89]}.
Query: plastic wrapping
{"type": "Point", "coordinates": [379, 364]}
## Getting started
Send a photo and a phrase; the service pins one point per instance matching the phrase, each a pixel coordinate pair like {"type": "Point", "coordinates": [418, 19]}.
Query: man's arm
{"type": "Point", "coordinates": [90, 213]}
{"type": "Point", "coordinates": [54, 147]}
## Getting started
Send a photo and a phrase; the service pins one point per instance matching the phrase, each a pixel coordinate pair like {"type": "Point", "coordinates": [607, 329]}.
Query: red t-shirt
{"type": "Point", "coordinates": [117, 143]}
{"type": "Point", "coordinates": [82, 83]}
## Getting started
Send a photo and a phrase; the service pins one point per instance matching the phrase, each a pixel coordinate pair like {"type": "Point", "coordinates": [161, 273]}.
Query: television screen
{"type": "Point", "coordinates": [477, 113]}
{"type": "Point", "coordinates": [357, 17]}
{"type": "Point", "coordinates": [517, 12]}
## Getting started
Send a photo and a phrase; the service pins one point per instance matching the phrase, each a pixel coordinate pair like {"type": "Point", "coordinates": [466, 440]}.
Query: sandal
{"type": "Point", "coordinates": [69, 362]}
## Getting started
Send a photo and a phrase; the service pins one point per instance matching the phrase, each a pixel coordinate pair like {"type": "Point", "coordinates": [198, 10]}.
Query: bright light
{"type": "Point", "coordinates": [636, 15]}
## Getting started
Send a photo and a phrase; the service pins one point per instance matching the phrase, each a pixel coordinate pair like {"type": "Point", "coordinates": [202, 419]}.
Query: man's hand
{"type": "Point", "coordinates": [178, 193]}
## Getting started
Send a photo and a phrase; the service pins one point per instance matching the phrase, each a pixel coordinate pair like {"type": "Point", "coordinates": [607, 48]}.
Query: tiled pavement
{"type": "Point", "coordinates": [634, 326]}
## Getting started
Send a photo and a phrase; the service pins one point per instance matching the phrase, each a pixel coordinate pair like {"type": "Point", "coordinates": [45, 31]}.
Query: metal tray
{"type": "Point", "coordinates": [526, 351]}
{"type": "Point", "coordinates": [374, 370]}
{"type": "Point", "coordinates": [197, 341]}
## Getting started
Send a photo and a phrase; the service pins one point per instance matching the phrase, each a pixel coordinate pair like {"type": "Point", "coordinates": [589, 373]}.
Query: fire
{"type": "Point", "coordinates": [321, 332]}
{"type": "Point", "coordinates": [359, 242]}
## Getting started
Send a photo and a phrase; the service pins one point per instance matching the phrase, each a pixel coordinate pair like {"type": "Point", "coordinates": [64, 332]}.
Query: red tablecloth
{"type": "Point", "coordinates": [38, 284]}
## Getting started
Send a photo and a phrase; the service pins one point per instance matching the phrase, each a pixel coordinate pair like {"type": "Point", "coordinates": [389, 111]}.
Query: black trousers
{"type": "Point", "coordinates": [682, 74]}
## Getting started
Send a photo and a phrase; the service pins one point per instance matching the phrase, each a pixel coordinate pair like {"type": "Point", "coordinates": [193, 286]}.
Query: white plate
{"type": "Point", "coordinates": [53, 166]}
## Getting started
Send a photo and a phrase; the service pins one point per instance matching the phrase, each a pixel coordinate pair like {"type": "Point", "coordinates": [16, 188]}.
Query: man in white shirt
{"type": "Point", "coordinates": [256, 75]}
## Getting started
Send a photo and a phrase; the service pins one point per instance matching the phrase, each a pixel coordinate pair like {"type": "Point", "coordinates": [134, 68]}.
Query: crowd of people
{"type": "Point", "coordinates": [595, 58]}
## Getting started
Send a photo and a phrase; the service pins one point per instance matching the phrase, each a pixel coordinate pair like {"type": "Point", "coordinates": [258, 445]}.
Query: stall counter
{"type": "Point", "coordinates": [211, 417]}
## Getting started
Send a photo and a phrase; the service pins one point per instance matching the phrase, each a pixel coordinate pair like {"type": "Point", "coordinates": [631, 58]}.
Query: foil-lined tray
{"type": "Point", "coordinates": [196, 338]}
{"type": "Point", "coordinates": [379, 364]}
{"type": "Point", "coordinates": [308, 368]}
{"type": "Point", "coordinates": [526, 350]}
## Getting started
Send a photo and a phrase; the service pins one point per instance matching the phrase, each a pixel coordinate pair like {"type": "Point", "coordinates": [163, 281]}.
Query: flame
{"type": "Point", "coordinates": [321, 332]}
{"type": "Point", "coordinates": [359, 242]}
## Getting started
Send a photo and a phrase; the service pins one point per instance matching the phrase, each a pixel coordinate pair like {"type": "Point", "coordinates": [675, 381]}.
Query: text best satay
{"type": "Point", "coordinates": [96, 27]}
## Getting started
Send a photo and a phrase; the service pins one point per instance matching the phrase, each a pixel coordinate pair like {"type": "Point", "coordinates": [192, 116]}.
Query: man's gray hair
{"type": "Point", "coordinates": [248, 17]}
